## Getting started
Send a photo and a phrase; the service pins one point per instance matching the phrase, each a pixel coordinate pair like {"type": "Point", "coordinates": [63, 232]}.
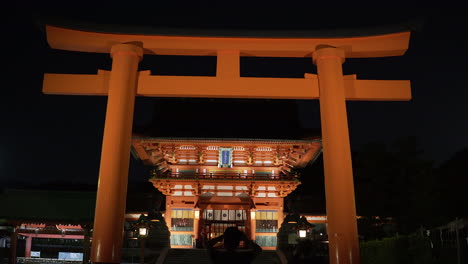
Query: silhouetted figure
{"type": "Point", "coordinates": [230, 252]}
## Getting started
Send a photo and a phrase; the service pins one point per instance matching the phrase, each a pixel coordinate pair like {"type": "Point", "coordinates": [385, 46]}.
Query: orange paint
{"type": "Point", "coordinates": [27, 249]}
{"type": "Point", "coordinates": [113, 174]}
{"type": "Point", "coordinates": [355, 47]}
{"type": "Point", "coordinates": [339, 186]}
{"type": "Point", "coordinates": [329, 85]}
{"type": "Point", "coordinates": [227, 86]}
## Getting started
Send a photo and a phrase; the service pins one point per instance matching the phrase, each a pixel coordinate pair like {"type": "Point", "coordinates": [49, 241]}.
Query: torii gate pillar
{"type": "Point", "coordinates": [339, 187]}
{"type": "Point", "coordinates": [115, 156]}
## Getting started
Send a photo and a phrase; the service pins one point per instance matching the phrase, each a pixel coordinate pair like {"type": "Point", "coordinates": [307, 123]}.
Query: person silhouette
{"type": "Point", "coordinates": [230, 252]}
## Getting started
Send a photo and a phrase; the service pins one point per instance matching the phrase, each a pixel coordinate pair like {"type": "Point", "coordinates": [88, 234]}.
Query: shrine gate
{"type": "Point", "coordinates": [124, 82]}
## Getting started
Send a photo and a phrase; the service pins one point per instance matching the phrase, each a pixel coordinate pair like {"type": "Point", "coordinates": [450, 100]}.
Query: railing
{"type": "Point", "coordinates": [226, 176]}
{"type": "Point", "coordinates": [23, 260]}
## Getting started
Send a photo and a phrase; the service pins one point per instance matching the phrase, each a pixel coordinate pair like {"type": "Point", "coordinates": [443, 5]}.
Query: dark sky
{"type": "Point", "coordinates": [50, 138]}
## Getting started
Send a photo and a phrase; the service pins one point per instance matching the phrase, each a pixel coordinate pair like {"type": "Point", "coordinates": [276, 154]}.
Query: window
{"type": "Point", "coordinates": [267, 221]}
{"type": "Point", "coordinates": [182, 219]}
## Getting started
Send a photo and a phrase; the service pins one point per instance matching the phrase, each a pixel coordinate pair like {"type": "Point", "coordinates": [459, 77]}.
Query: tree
{"type": "Point", "coordinates": [395, 181]}
{"type": "Point", "coordinates": [452, 177]}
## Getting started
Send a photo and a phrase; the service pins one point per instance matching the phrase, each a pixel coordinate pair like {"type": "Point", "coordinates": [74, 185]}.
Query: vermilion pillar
{"type": "Point", "coordinates": [196, 224]}
{"type": "Point", "coordinates": [253, 228]}
{"type": "Point", "coordinates": [339, 186]}
{"type": "Point", "coordinates": [168, 213]}
{"type": "Point", "coordinates": [27, 248]}
{"type": "Point", "coordinates": [113, 174]}
{"type": "Point", "coordinates": [280, 212]}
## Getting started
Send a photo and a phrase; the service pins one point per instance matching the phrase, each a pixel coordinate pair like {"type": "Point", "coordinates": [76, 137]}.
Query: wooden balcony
{"type": "Point", "coordinates": [217, 176]}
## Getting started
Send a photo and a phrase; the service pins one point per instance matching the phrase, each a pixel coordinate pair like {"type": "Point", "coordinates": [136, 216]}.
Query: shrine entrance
{"type": "Point", "coordinates": [219, 213]}
{"type": "Point", "coordinates": [214, 222]}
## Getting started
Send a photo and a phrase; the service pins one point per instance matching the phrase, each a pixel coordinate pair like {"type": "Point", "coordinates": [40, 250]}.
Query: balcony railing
{"type": "Point", "coordinates": [226, 176]}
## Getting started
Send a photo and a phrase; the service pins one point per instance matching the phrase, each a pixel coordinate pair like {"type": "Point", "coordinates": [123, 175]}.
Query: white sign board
{"type": "Point", "coordinates": [70, 256]}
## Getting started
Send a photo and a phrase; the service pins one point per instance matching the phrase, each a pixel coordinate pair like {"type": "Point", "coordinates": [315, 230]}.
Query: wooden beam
{"type": "Point", "coordinates": [377, 90]}
{"type": "Point", "coordinates": [268, 88]}
{"type": "Point", "coordinates": [214, 87]}
{"type": "Point", "coordinates": [228, 64]}
{"type": "Point", "coordinates": [76, 84]}
{"type": "Point", "coordinates": [394, 44]}
{"type": "Point", "coordinates": [217, 87]}
{"type": "Point", "coordinates": [142, 154]}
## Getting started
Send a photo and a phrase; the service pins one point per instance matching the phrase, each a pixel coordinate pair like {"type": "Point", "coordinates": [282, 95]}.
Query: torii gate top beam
{"type": "Point", "coordinates": [393, 44]}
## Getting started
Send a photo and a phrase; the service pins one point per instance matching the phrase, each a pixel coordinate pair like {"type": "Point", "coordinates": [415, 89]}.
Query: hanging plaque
{"type": "Point", "coordinates": [225, 157]}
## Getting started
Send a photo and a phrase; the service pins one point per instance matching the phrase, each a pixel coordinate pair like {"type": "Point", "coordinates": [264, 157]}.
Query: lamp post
{"type": "Point", "coordinates": [299, 225]}
{"type": "Point", "coordinates": [142, 226]}
{"type": "Point", "coordinates": [302, 233]}
{"type": "Point", "coordinates": [142, 234]}
{"type": "Point", "coordinates": [303, 226]}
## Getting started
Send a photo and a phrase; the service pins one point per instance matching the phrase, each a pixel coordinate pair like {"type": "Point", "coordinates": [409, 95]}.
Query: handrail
{"type": "Point", "coordinates": [26, 260]}
{"type": "Point", "coordinates": [226, 176]}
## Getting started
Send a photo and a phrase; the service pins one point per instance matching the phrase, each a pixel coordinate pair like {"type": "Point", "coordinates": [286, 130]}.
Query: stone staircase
{"type": "Point", "coordinates": [200, 256]}
{"type": "Point", "coordinates": [186, 256]}
{"type": "Point", "coordinates": [267, 257]}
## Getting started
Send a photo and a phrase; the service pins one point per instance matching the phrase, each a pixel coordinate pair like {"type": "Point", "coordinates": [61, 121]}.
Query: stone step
{"type": "Point", "coordinates": [200, 256]}
{"type": "Point", "coordinates": [186, 256]}
{"type": "Point", "coordinates": [267, 257]}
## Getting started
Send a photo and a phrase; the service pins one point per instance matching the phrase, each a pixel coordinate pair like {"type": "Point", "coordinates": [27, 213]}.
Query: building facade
{"type": "Point", "coordinates": [211, 184]}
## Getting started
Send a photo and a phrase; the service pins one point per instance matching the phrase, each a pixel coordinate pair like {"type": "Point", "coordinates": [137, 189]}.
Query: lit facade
{"type": "Point", "coordinates": [211, 184]}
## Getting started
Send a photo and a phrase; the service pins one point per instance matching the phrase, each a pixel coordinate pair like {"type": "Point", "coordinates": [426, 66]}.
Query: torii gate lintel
{"type": "Point", "coordinates": [220, 87]}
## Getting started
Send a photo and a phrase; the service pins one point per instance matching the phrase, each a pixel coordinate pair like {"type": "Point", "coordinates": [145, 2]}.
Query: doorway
{"type": "Point", "coordinates": [214, 222]}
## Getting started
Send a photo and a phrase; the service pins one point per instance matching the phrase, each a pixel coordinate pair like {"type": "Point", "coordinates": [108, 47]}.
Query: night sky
{"type": "Point", "coordinates": [48, 139]}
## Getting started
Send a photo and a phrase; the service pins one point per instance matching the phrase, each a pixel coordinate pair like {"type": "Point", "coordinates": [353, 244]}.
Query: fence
{"type": "Point", "coordinates": [450, 242]}
{"type": "Point", "coordinates": [443, 245]}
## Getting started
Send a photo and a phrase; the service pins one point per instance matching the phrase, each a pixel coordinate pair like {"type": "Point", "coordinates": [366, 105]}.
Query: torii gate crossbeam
{"type": "Point", "coordinates": [124, 82]}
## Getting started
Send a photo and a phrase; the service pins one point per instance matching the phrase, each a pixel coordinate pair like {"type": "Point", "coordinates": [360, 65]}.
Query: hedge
{"type": "Point", "coordinates": [412, 249]}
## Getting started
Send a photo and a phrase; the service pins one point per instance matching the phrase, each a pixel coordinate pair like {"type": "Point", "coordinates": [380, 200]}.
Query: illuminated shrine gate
{"type": "Point", "coordinates": [211, 184]}
{"type": "Point", "coordinates": [124, 82]}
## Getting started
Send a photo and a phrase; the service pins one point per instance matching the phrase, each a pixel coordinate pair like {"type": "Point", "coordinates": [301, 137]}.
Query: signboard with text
{"type": "Point", "coordinates": [225, 158]}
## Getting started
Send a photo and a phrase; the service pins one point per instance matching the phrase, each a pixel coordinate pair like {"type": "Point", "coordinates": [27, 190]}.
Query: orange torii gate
{"type": "Point", "coordinates": [124, 82]}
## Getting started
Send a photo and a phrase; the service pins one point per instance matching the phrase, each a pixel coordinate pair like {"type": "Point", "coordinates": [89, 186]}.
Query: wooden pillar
{"type": "Point", "coordinates": [280, 212]}
{"type": "Point", "coordinates": [168, 213]}
{"type": "Point", "coordinates": [253, 227]}
{"type": "Point", "coordinates": [13, 246]}
{"type": "Point", "coordinates": [27, 248]}
{"type": "Point", "coordinates": [339, 186]}
{"type": "Point", "coordinates": [196, 224]}
{"type": "Point", "coordinates": [142, 249]}
{"type": "Point", "coordinates": [113, 174]}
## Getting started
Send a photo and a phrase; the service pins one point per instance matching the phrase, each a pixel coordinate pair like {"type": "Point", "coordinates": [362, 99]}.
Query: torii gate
{"type": "Point", "coordinates": [124, 82]}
